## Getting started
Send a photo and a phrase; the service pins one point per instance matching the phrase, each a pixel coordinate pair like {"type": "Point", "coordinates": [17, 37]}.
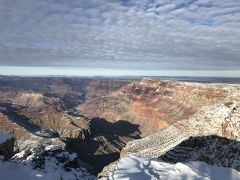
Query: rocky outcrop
{"type": "Point", "coordinates": [213, 150]}
{"type": "Point", "coordinates": [156, 144]}
{"type": "Point", "coordinates": [65, 125]}
{"type": "Point", "coordinates": [52, 161]}
{"type": "Point", "coordinates": [6, 145]}
{"type": "Point", "coordinates": [13, 128]}
{"type": "Point", "coordinates": [30, 99]}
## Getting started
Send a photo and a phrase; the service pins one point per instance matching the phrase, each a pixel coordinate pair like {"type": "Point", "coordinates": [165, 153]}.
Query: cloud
{"type": "Point", "coordinates": [166, 34]}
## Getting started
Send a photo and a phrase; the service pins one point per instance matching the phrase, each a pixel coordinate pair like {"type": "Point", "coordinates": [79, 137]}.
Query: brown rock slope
{"type": "Point", "coordinates": [31, 116]}
{"type": "Point", "coordinates": [219, 116]}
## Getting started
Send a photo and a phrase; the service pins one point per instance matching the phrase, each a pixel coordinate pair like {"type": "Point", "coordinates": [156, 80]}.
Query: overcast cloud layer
{"type": "Point", "coordinates": [153, 34]}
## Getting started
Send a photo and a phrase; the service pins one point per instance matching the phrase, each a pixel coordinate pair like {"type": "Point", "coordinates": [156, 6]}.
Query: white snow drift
{"type": "Point", "coordinates": [133, 167]}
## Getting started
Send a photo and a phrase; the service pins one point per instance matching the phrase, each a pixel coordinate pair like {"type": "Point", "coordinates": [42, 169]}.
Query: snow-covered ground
{"type": "Point", "coordinates": [133, 167]}
{"type": "Point", "coordinates": [14, 171]}
{"type": "Point", "coordinates": [51, 163]}
{"type": "Point", "coordinates": [4, 137]}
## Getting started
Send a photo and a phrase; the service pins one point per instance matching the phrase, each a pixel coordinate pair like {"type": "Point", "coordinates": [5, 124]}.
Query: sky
{"type": "Point", "coordinates": [162, 37]}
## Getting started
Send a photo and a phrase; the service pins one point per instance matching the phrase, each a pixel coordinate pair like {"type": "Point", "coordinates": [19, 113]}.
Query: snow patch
{"type": "Point", "coordinates": [45, 162]}
{"type": "Point", "coordinates": [52, 148]}
{"type": "Point", "coordinates": [133, 167]}
{"type": "Point", "coordinates": [14, 171]}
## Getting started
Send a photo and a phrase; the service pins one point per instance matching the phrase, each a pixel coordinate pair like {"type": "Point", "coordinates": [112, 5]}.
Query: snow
{"type": "Point", "coordinates": [40, 162]}
{"type": "Point", "coordinates": [4, 137]}
{"type": "Point", "coordinates": [14, 171]}
{"type": "Point", "coordinates": [52, 148]}
{"type": "Point", "coordinates": [133, 167]}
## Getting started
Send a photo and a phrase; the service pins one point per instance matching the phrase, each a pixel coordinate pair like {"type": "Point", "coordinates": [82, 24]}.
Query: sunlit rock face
{"type": "Point", "coordinates": [216, 113]}
{"type": "Point", "coordinates": [153, 105]}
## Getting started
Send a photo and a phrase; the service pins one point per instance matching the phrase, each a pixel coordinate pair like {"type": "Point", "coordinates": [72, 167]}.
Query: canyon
{"type": "Point", "coordinates": [105, 120]}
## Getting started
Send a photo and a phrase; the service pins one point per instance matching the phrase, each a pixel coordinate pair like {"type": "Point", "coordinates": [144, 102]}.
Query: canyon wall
{"type": "Point", "coordinates": [97, 118]}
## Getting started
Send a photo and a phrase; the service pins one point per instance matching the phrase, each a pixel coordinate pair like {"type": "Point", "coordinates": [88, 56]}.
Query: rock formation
{"type": "Point", "coordinates": [99, 119]}
{"type": "Point", "coordinates": [6, 145]}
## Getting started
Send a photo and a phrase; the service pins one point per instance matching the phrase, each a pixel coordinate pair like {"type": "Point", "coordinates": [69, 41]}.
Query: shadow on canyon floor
{"type": "Point", "coordinates": [121, 128]}
{"type": "Point", "coordinates": [106, 141]}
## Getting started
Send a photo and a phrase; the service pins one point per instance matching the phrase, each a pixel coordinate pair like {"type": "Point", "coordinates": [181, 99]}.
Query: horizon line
{"type": "Point", "coordinates": [110, 72]}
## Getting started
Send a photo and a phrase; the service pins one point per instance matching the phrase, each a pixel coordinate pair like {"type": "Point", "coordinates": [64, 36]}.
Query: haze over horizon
{"type": "Point", "coordinates": [108, 72]}
{"type": "Point", "coordinates": [120, 37]}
